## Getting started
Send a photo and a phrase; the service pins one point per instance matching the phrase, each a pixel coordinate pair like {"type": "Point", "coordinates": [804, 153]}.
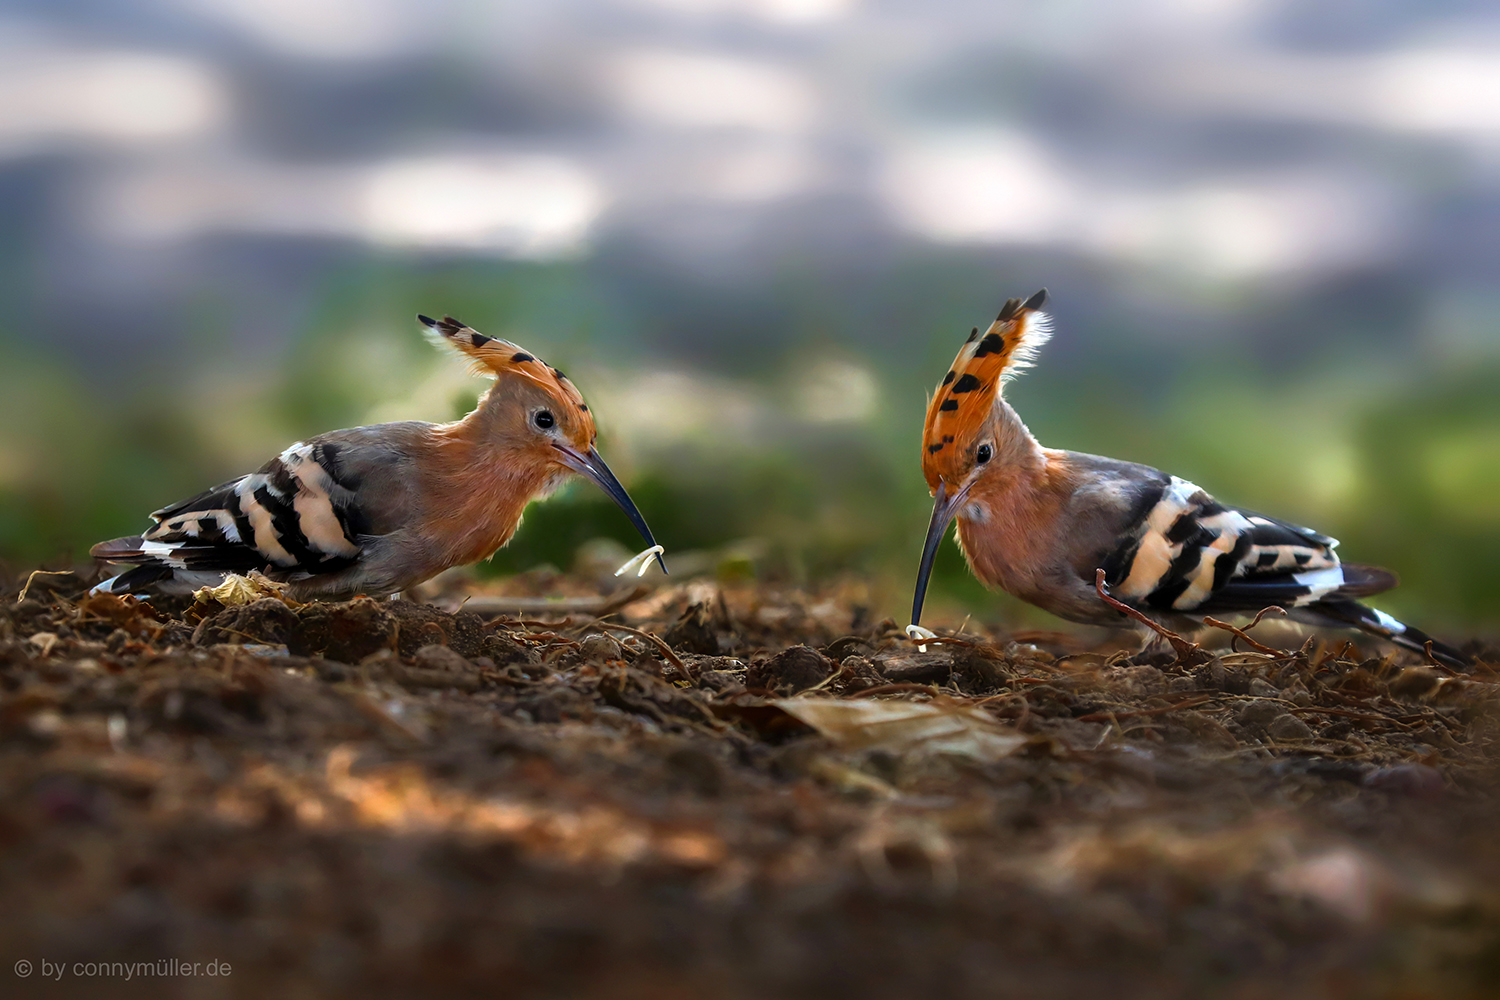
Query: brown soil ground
{"type": "Point", "coordinates": [387, 799]}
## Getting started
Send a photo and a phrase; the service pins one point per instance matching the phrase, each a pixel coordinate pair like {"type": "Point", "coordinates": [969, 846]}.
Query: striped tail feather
{"type": "Point", "coordinates": [295, 516]}
{"type": "Point", "coordinates": [1342, 611]}
{"type": "Point", "coordinates": [1362, 580]}
{"type": "Point", "coordinates": [125, 549]}
{"type": "Point", "coordinates": [135, 579]}
{"type": "Point", "coordinates": [1308, 588]}
{"type": "Point", "coordinates": [171, 566]}
{"type": "Point", "coordinates": [182, 554]}
{"type": "Point", "coordinates": [1187, 554]}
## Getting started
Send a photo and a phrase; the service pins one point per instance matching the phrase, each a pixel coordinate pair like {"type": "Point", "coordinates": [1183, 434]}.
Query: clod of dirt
{"type": "Point", "coordinates": [790, 671]}
{"type": "Point", "coordinates": [503, 650]}
{"type": "Point", "coordinates": [849, 645]}
{"type": "Point", "coordinates": [1258, 714]}
{"type": "Point", "coordinates": [438, 666]}
{"type": "Point", "coordinates": [858, 673]}
{"type": "Point", "coordinates": [694, 632]}
{"type": "Point", "coordinates": [1140, 681]}
{"type": "Point", "coordinates": [599, 647]}
{"type": "Point", "coordinates": [968, 668]}
{"type": "Point", "coordinates": [441, 658]}
{"type": "Point", "coordinates": [912, 667]}
{"type": "Point", "coordinates": [264, 621]}
{"type": "Point", "coordinates": [723, 681]}
{"type": "Point", "coordinates": [1262, 688]}
{"type": "Point", "coordinates": [1287, 726]}
{"type": "Point", "coordinates": [25, 614]}
{"type": "Point", "coordinates": [350, 632]}
{"type": "Point", "coordinates": [422, 625]}
{"type": "Point", "coordinates": [1215, 676]}
{"type": "Point", "coordinates": [345, 632]}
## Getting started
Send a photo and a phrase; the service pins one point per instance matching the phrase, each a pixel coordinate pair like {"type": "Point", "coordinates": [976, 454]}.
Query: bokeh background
{"type": "Point", "coordinates": [755, 232]}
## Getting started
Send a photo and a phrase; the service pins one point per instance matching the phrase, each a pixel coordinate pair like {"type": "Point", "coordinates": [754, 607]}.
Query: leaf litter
{"type": "Point", "coordinates": [900, 726]}
{"type": "Point", "coordinates": [731, 790]}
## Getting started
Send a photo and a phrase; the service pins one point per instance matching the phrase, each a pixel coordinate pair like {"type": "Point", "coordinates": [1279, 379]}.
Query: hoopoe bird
{"type": "Point", "coordinates": [375, 510]}
{"type": "Point", "coordinates": [1040, 523]}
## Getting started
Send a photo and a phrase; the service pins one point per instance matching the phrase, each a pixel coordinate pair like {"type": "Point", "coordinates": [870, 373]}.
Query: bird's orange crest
{"type": "Point", "coordinates": [497, 358]}
{"type": "Point", "coordinates": [958, 410]}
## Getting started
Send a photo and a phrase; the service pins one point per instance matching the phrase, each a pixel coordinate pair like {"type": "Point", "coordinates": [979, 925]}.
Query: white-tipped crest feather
{"type": "Point", "coordinates": [1036, 330]}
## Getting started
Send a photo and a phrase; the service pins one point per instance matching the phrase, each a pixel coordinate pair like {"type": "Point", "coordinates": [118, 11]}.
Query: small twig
{"type": "Point", "coordinates": [899, 689]}
{"type": "Point", "coordinates": [823, 684]}
{"type": "Point", "coordinates": [1445, 668]}
{"type": "Point", "coordinates": [1186, 651]}
{"type": "Point", "coordinates": [255, 640]}
{"type": "Point", "coordinates": [597, 606]}
{"type": "Point", "coordinates": [1434, 718]}
{"type": "Point", "coordinates": [1240, 633]}
{"type": "Point", "coordinates": [525, 623]}
{"type": "Point", "coordinates": [1182, 696]}
{"type": "Point", "coordinates": [40, 572]}
{"type": "Point", "coordinates": [553, 639]}
{"type": "Point", "coordinates": [665, 649]}
{"type": "Point", "coordinates": [1346, 714]}
{"type": "Point", "coordinates": [1112, 716]}
{"type": "Point", "coordinates": [1331, 656]}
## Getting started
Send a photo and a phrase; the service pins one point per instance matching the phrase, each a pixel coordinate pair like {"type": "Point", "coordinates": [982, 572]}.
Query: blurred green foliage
{"type": "Point", "coordinates": [1401, 463]}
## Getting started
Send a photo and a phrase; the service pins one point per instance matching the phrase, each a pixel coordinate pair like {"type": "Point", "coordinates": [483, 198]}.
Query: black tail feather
{"type": "Point", "coordinates": [119, 549]}
{"type": "Point", "coordinates": [1363, 581]}
{"type": "Point", "coordinates": [1377, 623]}
{"type": "Point", "coordinates": [138, 578]}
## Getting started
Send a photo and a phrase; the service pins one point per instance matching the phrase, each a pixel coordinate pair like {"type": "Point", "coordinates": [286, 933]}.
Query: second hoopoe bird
{"type": "Point", "coordinates": [375, 510]}
{"type": "Point", "coordinates": [1041, 523]}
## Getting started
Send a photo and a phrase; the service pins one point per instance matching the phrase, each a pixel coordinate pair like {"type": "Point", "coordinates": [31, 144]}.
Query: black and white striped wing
{"type": "Point", "coordinates": [297, 514]}
{"type": "Point", "coordinates": [1192, 554]}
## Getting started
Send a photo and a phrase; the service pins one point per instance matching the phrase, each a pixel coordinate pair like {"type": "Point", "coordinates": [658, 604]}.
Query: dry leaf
{"type": "Point", "coordinates": [866, 723]}
{"type": "Point", "coordinates": [237, 590]}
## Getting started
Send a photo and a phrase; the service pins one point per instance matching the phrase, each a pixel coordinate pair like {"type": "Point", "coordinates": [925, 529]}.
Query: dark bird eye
{"type": "Point", "coordinates": [983, 454]}
{"type": "Point", "coordinates": [544, 419]}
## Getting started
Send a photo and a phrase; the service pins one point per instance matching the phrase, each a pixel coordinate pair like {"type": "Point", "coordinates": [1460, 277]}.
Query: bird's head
{"type": "Point", "coordinates": [960, 444]}
{"type": "Point", "coordinates": [538, 414]}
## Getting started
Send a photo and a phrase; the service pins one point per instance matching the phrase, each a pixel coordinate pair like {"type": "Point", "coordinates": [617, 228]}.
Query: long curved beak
{"type": "Point", "coordinates": [944, 509]}
{"type": "Point", "coordinates": [592, 466]}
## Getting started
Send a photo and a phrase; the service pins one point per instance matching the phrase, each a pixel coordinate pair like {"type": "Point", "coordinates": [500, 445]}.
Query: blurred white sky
{"type": "Point", "coordinates": [1228, 143]}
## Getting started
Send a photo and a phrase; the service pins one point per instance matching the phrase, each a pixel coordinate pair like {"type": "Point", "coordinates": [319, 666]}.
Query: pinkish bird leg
{"type": "Point", "coordinates": [1187, 652]}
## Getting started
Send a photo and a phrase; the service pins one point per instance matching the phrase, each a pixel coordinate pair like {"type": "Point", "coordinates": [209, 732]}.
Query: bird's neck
{"type": "Point", "coordinates": [476, 445]}
{"type": "Point", "coordinates": [480, 485]}
{"type": "Point", "coordinates": [484, 426]}
{"type": "Point", "coordinates": [1005, 527]}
